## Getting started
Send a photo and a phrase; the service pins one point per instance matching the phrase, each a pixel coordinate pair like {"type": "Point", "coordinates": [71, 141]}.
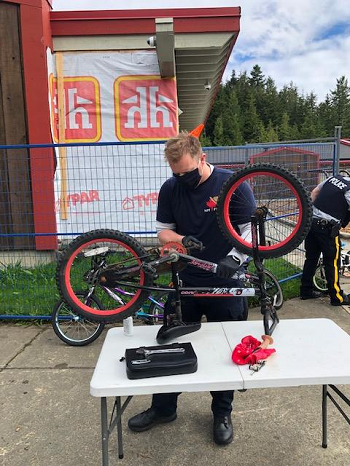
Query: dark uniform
{"type": "Point", "coordinates": [193, 212]}
{"type": "Point", "coordinates": [331, 212]}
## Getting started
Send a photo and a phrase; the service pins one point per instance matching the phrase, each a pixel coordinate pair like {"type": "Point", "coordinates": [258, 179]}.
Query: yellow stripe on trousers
{"type": "Point", "coordinates": [336, 270]}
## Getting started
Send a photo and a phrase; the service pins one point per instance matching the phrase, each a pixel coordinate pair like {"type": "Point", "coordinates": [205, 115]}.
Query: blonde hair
{"type": "Point", "coordinates": [183, 143]}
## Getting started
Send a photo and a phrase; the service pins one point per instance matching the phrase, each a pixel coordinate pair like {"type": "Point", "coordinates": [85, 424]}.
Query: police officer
{"type": "Point", "coordinates": [331, 204]}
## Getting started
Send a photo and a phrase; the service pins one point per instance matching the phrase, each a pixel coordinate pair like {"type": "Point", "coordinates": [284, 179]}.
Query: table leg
{"type": "Point", "coordinates": [116, 421]}
{"type": "Point", "coordinates": [324, 416]}
{"type": "Point", "coordinates": [119, 428]}
{"type": "Point", "coordinates": [105, 433]}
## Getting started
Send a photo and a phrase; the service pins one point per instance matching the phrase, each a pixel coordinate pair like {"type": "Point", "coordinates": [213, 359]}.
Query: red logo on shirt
{"type": "Point", "coordinates": [212, 202]}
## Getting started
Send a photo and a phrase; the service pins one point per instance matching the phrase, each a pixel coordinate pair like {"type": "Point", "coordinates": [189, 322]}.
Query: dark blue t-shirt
{"type": "Point", "coordinates": [193, 211]}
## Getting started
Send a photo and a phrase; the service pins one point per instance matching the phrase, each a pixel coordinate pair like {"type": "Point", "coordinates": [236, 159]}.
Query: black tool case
{"type": "Point", "coordinates": [156, 361]}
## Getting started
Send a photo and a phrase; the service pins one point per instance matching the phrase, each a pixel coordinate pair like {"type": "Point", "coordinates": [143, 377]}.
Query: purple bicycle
{"type": "Point", "coordinates": [75, 330]}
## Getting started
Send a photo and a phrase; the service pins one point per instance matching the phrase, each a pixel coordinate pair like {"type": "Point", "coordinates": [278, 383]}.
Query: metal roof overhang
{"type": "Point", "coordinates": [194, 44]}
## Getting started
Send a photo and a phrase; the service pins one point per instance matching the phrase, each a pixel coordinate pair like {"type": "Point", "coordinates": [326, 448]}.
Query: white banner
{"type": "Point", "coordinates": [110, 96]}
{"type": "Point", "coordinates": [111, 187]}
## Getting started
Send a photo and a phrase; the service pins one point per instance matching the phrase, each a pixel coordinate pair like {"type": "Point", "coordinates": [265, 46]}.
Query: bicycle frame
{"type": "Point", "coordinates": [174, 257]}
{"type": "Point", "coordinates": [140, 313]}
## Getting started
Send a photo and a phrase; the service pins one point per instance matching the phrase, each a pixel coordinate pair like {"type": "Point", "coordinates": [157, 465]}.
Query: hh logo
{"type": "Point", "coordinates": [82, 109]}
{"type": "Point", "coordinates": [145, 108]}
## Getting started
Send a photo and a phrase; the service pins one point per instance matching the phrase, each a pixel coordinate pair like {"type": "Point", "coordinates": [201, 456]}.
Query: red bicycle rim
{"type": "Point", "coordinates": [84, 306]}
{"type": "Point", "coordinates": [234, 233]}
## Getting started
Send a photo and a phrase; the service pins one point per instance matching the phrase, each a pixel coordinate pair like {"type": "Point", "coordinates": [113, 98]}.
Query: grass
{"type": "Point", "coordinates": [33, 291]}
{"type": "Point", "coordinates": [28, 291]}
{"type": "Point", "coordinates": [281, 269]}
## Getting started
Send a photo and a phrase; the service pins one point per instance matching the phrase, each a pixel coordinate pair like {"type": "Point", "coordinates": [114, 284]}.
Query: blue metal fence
{"type": "Point", "coordinates": [68, 189]}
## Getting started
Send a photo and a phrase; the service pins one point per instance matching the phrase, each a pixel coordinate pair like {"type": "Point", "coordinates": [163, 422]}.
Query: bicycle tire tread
{"type": "Point", "coordinates": [85, 238]}
{"type": "Point", "coordinates": [304, 198]}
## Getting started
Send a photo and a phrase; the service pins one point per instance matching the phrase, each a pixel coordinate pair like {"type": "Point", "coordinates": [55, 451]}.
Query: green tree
{"type": "Point", "coordinates": [308, 128]}
{"type": "Point", "coordinates": [257, 86]}
{"type": "Point", "coordinates": [271, 133]}
{"type": "Point", "coordinates": [295, 133]}
{"type": "Point", "coordinates": [257, 79]}
{"type": "Point", "coordinates": [249, 108]}
{"type": "Point", "coordinates": [205, 140]}
{"type": "Point", "coordinates": [231, 83]}
{"type": "Point", "coordinates": [262, 134]}
{"type": "Point", "coordinates": [289, 100]}
{"type": "Point", "coordinates": [243, 90]}
{"type": "Point", "coordinates": [340, 98]}
{"type": "Point", "coordinates": [216, 111]}
{"type": "Point", "coordinates": [232, 120]}
{"type": "Point", "coordinates": [232, 129]}
{"type": "Point", "coordinates": [269, 107]}
{"type": "Point", "coordinates": [327, 117]}
{"type": "Point", "coordinates": [218, 132]}
{"type": "Point", "coordinates": [284, 129]}
{"type": "Point", "coordinates": [251, 121]}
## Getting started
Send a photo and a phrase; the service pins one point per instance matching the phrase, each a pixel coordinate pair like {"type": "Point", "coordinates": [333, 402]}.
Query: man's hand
{"type": "Point", "coordinates": [192, 242]}
{"type": "Point", "coordinates": [227, 267]}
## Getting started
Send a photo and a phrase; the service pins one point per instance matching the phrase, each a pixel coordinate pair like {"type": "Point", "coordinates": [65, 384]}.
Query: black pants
{"type": "Point", "coordinates": [319, 240]}
{"type": "Point", "coordinates": [215, 310]}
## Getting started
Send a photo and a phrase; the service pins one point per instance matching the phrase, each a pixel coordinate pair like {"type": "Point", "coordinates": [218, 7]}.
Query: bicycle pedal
{"type": "Point", "coordinates": [149, 269]}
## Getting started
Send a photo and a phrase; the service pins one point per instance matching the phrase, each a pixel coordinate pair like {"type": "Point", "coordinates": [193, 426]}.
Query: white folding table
{"type": "Point", "coordinates": [308, 352]}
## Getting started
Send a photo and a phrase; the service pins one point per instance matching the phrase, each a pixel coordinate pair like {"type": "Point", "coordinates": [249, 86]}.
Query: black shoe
{"type": "Point", "coordinates": [346, 302]}
{"type": "Point", "coordinates": [147, 419]}
{"type": "Point", "coordinates": [223, 430]}
{"type": "Point", "coordinates": [312, 295]}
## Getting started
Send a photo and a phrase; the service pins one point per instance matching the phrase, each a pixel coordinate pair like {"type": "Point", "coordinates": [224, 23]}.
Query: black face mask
{"type": "Point", "coordinates": [190, 179]}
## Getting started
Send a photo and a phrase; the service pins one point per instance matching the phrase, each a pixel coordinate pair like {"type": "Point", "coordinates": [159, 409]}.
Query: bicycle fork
{"type": "Point", "coordinates": [267, 309]}
{"type": "Point", "coordinates": [176, 303]}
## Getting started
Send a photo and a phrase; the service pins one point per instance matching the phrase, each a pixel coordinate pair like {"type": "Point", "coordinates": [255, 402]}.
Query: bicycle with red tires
{"type": "Point", "coordinates": [102, 261]}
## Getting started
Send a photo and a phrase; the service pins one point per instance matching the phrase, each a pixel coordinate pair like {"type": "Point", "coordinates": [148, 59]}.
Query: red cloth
{"type": "Point", "coordinates": [243, 353]}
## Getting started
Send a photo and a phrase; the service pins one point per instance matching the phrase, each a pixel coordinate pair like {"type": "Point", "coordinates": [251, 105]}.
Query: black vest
{"type": "Point", "coordinates": [331, 198]}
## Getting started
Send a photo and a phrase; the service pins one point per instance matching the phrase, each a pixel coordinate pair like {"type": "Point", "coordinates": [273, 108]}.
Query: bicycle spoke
{"type": "Point", "coordinates": [73, 329]}
{"type": "Point", "coordinates": [100, 261]}
{"type": "Point", "coordinates": [279, 195]}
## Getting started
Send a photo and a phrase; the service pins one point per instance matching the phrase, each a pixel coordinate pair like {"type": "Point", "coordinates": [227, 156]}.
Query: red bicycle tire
{"type": "Point", "coordinates": [285, 184]}
{"type": "Point", "coordinates": [65, 284]}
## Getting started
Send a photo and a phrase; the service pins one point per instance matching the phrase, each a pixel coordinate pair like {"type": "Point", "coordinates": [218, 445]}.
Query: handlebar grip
{"type": "Point", "coordinates": [191, 242]}
{"type": "Point", "coordinates": [193, 245]}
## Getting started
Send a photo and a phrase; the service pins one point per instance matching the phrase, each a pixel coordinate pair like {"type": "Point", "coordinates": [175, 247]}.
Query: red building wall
{"type": "Point", "coordinates": [36, 37]}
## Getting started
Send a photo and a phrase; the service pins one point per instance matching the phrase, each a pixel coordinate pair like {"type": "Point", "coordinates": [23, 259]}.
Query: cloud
{"type": "Point", "coordinates": [304, 41]}
{"type": "Point", "coordinates": [307, 42]}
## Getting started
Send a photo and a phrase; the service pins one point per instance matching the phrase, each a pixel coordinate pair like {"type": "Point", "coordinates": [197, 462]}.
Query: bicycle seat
{"type": "Point", "coordinates": [176, 329]}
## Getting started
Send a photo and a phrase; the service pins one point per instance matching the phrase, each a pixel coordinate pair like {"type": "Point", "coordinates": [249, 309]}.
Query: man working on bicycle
{"type": "Point", "coordinates": [331, 204]}
{"type": "Point", "coordinates": [186, 213]}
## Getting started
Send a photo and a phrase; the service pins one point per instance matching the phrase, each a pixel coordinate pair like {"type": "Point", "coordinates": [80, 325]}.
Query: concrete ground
{"type": "Point", "coordinates": [49, 418]}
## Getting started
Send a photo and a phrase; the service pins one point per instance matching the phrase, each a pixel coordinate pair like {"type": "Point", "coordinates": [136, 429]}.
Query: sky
{"type": "Point", "coordinates": [306, 42]}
